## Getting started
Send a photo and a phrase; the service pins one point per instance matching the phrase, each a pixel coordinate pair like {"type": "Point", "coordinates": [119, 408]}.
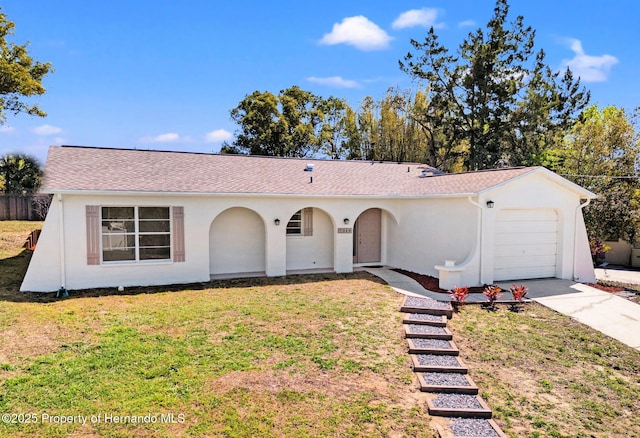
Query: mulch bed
{"type": "Point", "coordinates": [432, 283]}
{"type": "Point", "coordinates": [606, 288]}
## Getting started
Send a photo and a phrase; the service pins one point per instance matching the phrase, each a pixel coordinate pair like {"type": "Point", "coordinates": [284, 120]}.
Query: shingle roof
{"type": "Point", "coordinates": [71, 168]}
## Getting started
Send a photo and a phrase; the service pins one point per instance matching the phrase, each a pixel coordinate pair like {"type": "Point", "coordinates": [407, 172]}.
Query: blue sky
{"type": "Point", "coordinates": [164, 74]}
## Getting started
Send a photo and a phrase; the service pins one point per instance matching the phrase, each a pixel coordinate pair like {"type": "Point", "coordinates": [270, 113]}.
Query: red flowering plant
{"type": "Point", "coordinates": [458, 295]}
{"type": "Point", "coordinates": [598, 250]}
{"type": "Point", "coordinates": [518, 292]}
{"type": "Point", "coordinates": [492, 293]}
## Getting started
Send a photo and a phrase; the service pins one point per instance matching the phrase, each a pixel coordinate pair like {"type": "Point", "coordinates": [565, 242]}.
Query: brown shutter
{"type": "Point", "coordinates": [178, 234]}
{"type": "Point", "coordinates": [93, 234]}
{"type": "Point", "coordinates": [307, 217]}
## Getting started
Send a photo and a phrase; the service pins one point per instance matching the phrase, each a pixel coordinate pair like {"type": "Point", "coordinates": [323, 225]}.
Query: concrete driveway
{"type": "Point", "coordinates": [610, 314]}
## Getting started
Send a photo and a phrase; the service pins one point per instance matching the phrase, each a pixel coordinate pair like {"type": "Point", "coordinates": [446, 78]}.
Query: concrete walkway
{"type": "Point", "coordinates": [612, 315]}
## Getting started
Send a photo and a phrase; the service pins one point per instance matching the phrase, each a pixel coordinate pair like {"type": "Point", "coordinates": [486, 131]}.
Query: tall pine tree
{"type": "Point", "coordinates": [496, 101]}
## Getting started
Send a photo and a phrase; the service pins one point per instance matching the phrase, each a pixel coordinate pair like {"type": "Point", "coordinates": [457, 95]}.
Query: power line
{"type": "Point", "coordinates": [600, 176]}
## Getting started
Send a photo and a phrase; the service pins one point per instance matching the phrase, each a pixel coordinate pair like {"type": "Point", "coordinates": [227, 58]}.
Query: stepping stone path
{"type": "Point", "coordinates": [442, 373]}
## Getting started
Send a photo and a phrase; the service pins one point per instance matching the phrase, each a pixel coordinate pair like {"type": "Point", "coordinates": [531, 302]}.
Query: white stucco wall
{"type": "Point", "coordinates": [237, 242]}
{"type": "Point", "coordinates": [538, 191]}
{"type": "Point", "coordinates": [431, 231]}
{"type": "Point", "coordinates": [328, 249]}
{"type": "Point", "coordinates": [417, 235]}
{"type": "Point", "coordinates": [44, 271]}
{"type": "Point", "coordinates": [315, 251]}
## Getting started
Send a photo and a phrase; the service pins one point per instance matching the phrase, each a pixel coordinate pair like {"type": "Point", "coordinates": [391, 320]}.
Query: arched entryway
{"type": "Point", "coordinates": [237, 243]}
{"type": "Point", "coordinates": [310, 241]}
{"type": "Point", "coordinates": [367, 237]}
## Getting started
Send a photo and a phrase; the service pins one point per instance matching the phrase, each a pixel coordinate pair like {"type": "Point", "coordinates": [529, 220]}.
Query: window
{"type": "Point", "coordinates": [135, 234]}
{"type": "Point", "coordinates": [294, 226]}
{"type": "Point", "coordinates": [301, 223]}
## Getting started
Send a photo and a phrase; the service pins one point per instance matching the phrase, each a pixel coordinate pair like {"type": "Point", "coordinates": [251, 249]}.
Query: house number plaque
{"type": "Point", "coordinates": [344, 230]}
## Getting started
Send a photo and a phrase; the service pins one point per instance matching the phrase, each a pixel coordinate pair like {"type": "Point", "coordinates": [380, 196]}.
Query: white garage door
{"type": "Point", "coordinates": [526, 244]}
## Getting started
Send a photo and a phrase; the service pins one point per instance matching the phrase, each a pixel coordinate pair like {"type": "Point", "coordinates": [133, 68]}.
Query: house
{"type": "Point", "coordinates": [124, 217]}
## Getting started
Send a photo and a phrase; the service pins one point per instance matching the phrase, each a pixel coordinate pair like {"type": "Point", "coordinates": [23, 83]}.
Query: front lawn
{"type": "Point", "coordinates": [546, 375]}
{"type": "Point", "coordinates": [303, 356]}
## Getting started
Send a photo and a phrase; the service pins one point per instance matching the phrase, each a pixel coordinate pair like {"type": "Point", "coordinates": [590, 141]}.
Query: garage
{"type": "Point", "coordinates": [526, 244]}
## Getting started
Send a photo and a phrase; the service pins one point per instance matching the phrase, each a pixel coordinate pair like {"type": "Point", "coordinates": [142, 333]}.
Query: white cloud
{"type": "Point", "coordinates": [334, 81]}
{"type": "Point", "coordinates": [425, 17]}
{"type": "Point", "coordinates": [358, 32]}
{"type": "Point", "coordinates": [466, 23]}
{"type": "Point", "coordinates": [218, 135]}
{"type": "Point", "coordinates": [588, 68]}
{"type": "Point", "coordinates": [46, 130]}
{"type": "Point", "coordinates": [169, 137]}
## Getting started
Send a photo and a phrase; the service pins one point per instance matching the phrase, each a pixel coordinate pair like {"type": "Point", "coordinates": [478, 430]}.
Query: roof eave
{"type": "Point", "coordinates": [253, 194]}
{"type": "Point", "coordinates": [584, 193]}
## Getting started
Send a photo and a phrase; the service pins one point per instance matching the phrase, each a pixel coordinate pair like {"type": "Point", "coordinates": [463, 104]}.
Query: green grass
{"type": "Point", "coordinates": [306, 356]}
{"type": "Point", "coordinates": [302, 356]}
{"type": "Point", "coordinates": [546, 375]}
{"type": "Point", "coordinates": [241, 361]}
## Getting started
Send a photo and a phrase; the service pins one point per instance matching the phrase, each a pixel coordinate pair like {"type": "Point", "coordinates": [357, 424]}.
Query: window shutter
{"type": "Point", "coordinates": [307, 217]}
{"type": "Point", "coordinates": [93, 234]}
{"type": "Point", "coordinates": [178, 234]}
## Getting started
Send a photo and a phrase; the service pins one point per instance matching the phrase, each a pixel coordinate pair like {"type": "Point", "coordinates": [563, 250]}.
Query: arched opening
{"type": "Point", "coordinates": [367, 237]}
{"type": "Point", "coordinates": [237, 243]}
{"type": "Point", "coordinates": [310, 241]}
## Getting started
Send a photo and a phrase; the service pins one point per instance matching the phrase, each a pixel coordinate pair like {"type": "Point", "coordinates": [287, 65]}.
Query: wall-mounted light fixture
{"type": "Point", "coordinates": [277, 222]}
{"type": "Point", "coordinates": [346, 221]}
{"type": "Point", "coordinates": [490, 203]}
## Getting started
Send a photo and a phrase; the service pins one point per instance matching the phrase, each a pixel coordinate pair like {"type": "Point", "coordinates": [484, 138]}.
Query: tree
{"type": "Point", "coordinates": [21, 173]}
{"type": "Point", "coordinates": [602, 153]}
{"type": "Point", "coordinates": [20, 75]}
{"type": "Point", "coordinates": [285, 125]}
{"type": "Point", "coordinates": [332, 140]}
{"type": "Point", "coordinates": [493, 101]}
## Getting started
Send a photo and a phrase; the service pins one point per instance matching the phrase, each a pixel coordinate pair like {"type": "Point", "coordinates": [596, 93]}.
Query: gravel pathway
{"type": "Point", "coordinates": [456, 401]}
{"type": "Point", "coordinates": [426, 329]}
{"type": "Point", "coordinates": [437, 360]}
{"type": "Point", "coordinates": [440, 344]}
{"type": "Point", "coordinates": [445, 379]}
{"type": "Point", "coordinates": [426, 303]}
{"type": "Point", "coordinates": [424, 317]}
{"type": "Point", "coordinates": [472, 427]}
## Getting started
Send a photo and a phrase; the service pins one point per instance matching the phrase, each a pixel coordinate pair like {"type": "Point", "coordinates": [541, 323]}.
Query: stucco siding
{"type": "Point", "coordinates": [431, 231]}
{"type": "Point", "coordinates": [532, 192]}
{"type": "Point", "coordinates": [43, 273]}
{"type": "Point", "coordinates": [237, 242]}
{"type": "Point", "coordinates": [314, 251]}
{"type": "Point", "coordinates": [226, 234]}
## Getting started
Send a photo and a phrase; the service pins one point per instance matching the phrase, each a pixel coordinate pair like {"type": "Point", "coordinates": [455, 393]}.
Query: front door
{"type": "Point", "coordinates": [367, 236]}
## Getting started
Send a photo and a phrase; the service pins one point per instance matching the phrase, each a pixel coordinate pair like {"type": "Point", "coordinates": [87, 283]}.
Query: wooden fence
{"type": "Point", "coordinates": [24, 207]}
